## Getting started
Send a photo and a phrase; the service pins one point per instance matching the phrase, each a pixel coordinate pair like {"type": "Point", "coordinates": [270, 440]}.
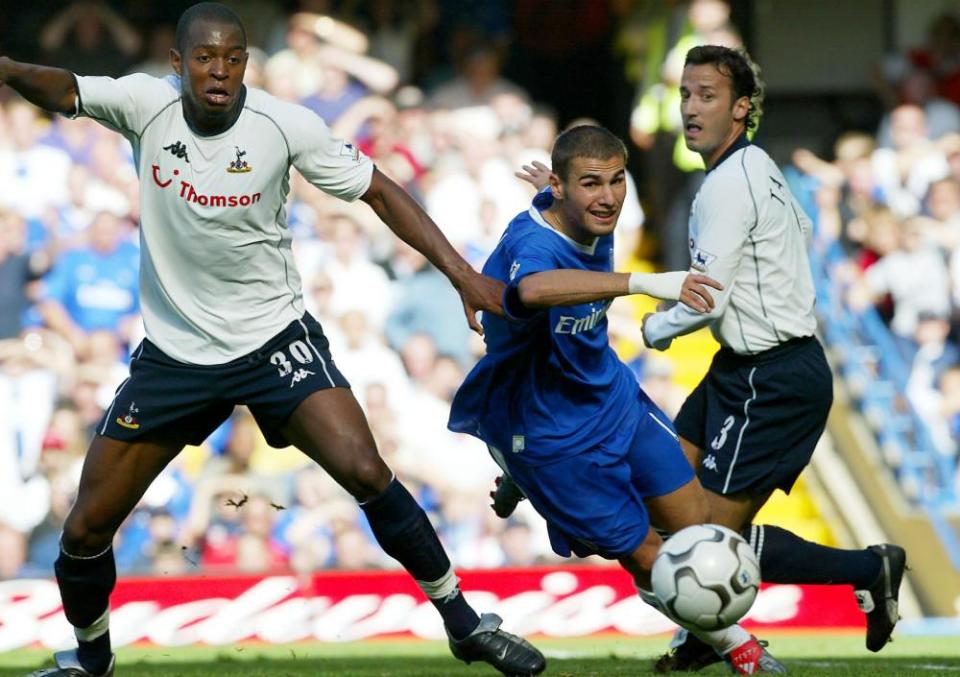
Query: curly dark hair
{"type": "Point", "coordinates": [742, 71]}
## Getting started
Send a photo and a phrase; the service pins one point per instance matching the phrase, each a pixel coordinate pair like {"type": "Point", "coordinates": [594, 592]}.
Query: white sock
{"type": "Point", "coordinates": [723, 641]}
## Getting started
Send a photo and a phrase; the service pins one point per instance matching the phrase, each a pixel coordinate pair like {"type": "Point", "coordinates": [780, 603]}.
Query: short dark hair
{"type": "Point", "coordinates": [742, 71]}
{"type": "Point", "coordinates": [590, 141]}
{"type": "Point", "coordinates": [212, 12]}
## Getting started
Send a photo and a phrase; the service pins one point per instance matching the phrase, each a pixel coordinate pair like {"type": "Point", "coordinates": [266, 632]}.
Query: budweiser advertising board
{"type": "Point", "coordinates": [346, 606]}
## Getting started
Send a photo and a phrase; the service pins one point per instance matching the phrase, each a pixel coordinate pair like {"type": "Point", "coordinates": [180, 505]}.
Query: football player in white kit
{"type": "Point", "coordinates": [751, 425]}
{"type": "Point", "coordinates": [225, 319]}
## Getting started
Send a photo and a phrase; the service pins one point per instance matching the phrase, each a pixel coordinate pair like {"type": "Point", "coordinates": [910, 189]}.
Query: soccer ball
{"type": "Point", "coordinates": [706, 576]}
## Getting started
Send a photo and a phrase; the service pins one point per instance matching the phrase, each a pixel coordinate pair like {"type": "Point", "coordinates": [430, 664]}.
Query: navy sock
{"type": "Point", "coordinates": [85, 586]}
{"type": "Point", "coordinates": [787, 558]}
{"type": "Point", "coordinates": [458, 616]}
{"type": "Point", "coordinates": [95, 655]}
{"type": "Point", "coordinates": [404, 532]}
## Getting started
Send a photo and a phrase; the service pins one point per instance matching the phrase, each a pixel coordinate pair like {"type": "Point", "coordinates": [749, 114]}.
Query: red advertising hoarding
{"type": "Point", "coordinates": [346, 606]}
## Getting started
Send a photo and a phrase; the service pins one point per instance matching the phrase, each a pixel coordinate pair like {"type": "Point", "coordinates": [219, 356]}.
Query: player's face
{"type": "Point", "coordinates": [712, 117]}
{"type": "Point", "coordinates": [591, 197]}
{"type": "Point", "coordinates": [212, 67]}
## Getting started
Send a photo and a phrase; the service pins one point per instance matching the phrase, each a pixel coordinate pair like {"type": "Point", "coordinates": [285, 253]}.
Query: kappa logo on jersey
{"type": "Point", "coordinates": [178, 150]}
{"type": "Point", "coordinates": [190, 194]}
{"type": "Point", "coordinates": [349, 150]}
{"type": "Point", "coordinates": [239, 166]}
{"type": "Point", "coordinates": [299, 375]}
{"type": "Point", "coordinates": [129, 420]}
{"type": "Point", "coordinates": [514, 269]}
{"type": "Point", "coordinates": [569, 324]}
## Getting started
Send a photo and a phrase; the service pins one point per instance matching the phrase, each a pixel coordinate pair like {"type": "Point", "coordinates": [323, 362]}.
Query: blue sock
{"type": "Point", "coordinates": [404, 532]}
{"type": "Point", "coordinates": [786, 558]}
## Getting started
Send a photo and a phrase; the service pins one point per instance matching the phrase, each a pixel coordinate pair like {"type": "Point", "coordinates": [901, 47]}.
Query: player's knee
{"type": "Point", "coordinates": [84, 539]}
{"type": "Point", "coordinates": [369, 477]}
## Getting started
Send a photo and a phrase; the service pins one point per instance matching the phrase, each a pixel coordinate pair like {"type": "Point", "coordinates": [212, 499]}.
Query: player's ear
{"type": "Point", "coordinates": [741, 108]}
{"type": "Point", "coordinates": [176, 62]}
{"type": "Point", "coordinates": [556, 186]}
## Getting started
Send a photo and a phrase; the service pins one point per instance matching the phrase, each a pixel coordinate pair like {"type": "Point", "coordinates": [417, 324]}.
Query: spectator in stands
{"type": "Point", "coordinates": [34, 176]}
{"type": "Point", "coordinates": [358, 283]}
{"type": "Point", "coordinates": [918, 87]}
{"type": "Point", "coordinates": [395, 27]}
{"type": "Point", "coordinates": [947, 429]}
{"type": "Point", "coordinates": [294, 73]}
{"type": "Point", "coordinates": [364, 353]}
{"type": "Point", "coordinates": [943, 206]}
{"type": "Point", "coordinates": [425, 304]}
{"type": "Point", "coordinates": [905, 171]}
{"type": "Point", "coordinates": [346, 78]}
{"type": "Point", "coordinates": [941, 55]}
{"type": "Point", "coordinates": [94, 287]}
{"type": "Point", "coordinates": [896, 273]}
{"type": "Point", "coordinates": [479, 81]}
{"type": "Point", "coordinates": [89, 38]}
{"type": "Point", "coordinates": [18, 269]}
{"type": "Point", "coordinates": [157, 61]}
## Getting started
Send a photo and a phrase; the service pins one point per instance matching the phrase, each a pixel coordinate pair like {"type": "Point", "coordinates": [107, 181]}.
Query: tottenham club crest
{"type": "Point", "coordinates": [130, 420]}
{"type": "Point", "coordinates": [239, 166]}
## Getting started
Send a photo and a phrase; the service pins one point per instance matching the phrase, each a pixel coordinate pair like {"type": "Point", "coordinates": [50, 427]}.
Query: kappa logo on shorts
{"type": "Point", "coordinates": [129, 420]}
{"type": "Point", "coordinates": [299, 375]}
{"type": "Point", "coordinates": [710, 462]}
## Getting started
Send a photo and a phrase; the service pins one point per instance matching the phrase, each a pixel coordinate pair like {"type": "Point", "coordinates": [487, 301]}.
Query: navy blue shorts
{"type": "Point", "coordinates": [167, 400]}
{"type": "Point", "coordinates": [593, 502]}
{"type": "Point", "coordinates": [758, 418]}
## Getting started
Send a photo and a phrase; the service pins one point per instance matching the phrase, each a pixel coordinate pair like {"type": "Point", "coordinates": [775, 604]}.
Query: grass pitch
{"type": "Point", "coordinates": [805, 655]}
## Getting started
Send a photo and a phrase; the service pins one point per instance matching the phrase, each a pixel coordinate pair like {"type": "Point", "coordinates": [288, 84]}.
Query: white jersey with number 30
{"type": "Point", "coordinates": [217, 278]}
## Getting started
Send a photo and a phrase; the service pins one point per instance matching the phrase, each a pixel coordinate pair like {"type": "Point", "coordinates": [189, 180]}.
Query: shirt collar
{"type": "Point", "coordinates": [740, 142]}
{"type": "Point", "coordinates": [543, 200]}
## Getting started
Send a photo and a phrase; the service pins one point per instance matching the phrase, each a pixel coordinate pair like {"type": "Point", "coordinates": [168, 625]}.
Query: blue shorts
{"type": "Point", "coordinates": [758, 418]}
{"type": "Point", "coordinates": [167, 400]}
{"type": "Point", "coordinates": [593, 502]}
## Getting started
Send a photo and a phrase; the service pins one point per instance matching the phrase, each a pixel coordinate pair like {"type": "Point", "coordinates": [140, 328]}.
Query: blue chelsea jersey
{"type": "Point", "coordinates": [550, 385]}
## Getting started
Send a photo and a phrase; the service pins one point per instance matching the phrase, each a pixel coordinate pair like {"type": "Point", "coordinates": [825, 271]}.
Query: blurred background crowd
{"type": "Point", "coordinates": [449, 99]}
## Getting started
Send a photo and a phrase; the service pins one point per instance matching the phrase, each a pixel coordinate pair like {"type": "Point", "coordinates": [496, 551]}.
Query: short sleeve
{"type": "Point", "coordinates": [525, 261]}
{"type": "Point", "coordinates": [335, 166]}
{"type": "Point", "coordinates": [125, 104]}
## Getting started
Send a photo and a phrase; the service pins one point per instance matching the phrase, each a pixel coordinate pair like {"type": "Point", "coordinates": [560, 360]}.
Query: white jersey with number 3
{"type": "Point", "coordinates": [748, 233]}
{"type": "Point", "coordinates": [217, 278]}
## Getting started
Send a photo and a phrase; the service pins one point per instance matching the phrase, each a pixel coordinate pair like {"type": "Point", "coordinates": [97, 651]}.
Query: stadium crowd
{"type": "Point", "coordinates": [69, 285]}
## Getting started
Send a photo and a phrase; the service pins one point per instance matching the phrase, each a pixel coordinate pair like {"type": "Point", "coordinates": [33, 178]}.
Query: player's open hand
{"type": "Point", "coordinates": [479, 292]}
{"type": "Point", "coordinates": [695, 294]}
{"type": "Point", "coordinates": [536, 174]}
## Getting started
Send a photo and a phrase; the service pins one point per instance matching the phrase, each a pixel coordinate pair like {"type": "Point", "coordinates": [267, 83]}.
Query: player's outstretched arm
{"type": "Point", "coordinates": [412, 225]}
{"type": "Point", "coordinates": [573, 287]}
{"type": "Point", "coordinates": [53, 89]}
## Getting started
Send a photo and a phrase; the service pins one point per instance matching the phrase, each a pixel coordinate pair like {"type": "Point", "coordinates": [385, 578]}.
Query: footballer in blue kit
{"type": "Point", "coordinates": [557, 407]}
{"type": "Point", "coordinates": [561, 414]}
